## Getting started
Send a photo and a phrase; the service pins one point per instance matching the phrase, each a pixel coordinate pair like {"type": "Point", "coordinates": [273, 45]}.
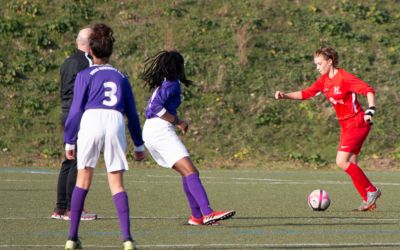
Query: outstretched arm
{"type": "Point", "coordinates": [315, 89]}
{"type": "Point", "coordinates": [297, 95]}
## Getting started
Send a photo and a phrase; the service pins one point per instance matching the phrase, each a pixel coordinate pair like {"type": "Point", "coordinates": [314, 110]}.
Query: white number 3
{"type": "Point", "coordinates": [110, 94]}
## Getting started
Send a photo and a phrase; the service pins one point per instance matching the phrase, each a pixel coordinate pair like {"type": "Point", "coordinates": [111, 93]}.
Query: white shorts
{"type": "Point", "coordinates": [102, 130]}
{"type": "Point", "coordinates": [163, 143]}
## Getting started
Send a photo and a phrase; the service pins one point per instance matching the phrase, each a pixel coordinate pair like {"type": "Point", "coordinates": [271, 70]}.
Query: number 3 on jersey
{"type": "Point", "coordinates": [110, 93]}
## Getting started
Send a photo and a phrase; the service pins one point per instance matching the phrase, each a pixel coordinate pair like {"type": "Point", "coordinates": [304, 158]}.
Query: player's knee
{"type": "Point", "coordinates": [342, 164]}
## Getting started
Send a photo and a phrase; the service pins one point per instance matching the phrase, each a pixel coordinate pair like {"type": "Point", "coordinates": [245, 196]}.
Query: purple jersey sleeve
{"type": "Point", "coordinates": [133, 118]}
{"type": "Point", "coordinates": [166, 98]}
{"type": "Point", "coordinates": [76, 111]}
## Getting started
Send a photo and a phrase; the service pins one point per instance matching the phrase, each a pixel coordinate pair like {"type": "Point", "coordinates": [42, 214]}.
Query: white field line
{"type": "Point", "coordinates": [217, 180]}
{"type": "Point", "coordinates": [224, 246]}
{"type": "Point", "coordinates": [241, 180]}
{"type": "Point", "coordinates": [354, 219]}
{"type": "Point", "coordinates": [230, 180]}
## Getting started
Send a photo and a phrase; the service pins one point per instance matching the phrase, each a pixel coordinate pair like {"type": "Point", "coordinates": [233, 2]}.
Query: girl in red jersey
{"type": "Point", "coordinates": [341, 89]}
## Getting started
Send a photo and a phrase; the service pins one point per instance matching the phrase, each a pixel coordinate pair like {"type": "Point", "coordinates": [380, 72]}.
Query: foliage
{"type": "Point", "coordinates": [311, 159]}
{"type": "Point", "coordinates": [238, 53]}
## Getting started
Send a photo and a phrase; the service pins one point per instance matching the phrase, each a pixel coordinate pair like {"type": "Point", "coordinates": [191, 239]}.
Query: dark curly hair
{"type": "Point", "coordinates": [101, 40]}
{"type": "Point", "coordinates": [165, 64]}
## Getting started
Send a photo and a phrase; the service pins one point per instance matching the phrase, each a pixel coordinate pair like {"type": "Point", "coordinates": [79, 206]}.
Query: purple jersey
{"type": "Point", "coordinates": [167, 97]}
{"type": "Point", "coordinates": [102, 87]}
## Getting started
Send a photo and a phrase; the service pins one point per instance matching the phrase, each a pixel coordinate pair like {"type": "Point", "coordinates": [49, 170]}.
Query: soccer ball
{"type": "Point", "coordinates": [318, 200]}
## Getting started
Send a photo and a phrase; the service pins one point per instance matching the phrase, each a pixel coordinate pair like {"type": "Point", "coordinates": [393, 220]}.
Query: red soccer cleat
{"type": "Point", "coordinates": [195, 221]}
{"type": "Point", "coordinates": [216, 216]}
{"type": "Point", "coordinates": [199, 222]}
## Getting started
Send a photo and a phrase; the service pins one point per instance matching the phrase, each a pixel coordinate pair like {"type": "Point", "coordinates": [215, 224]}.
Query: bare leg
{"type": "Point", "coordinates": [343, 159]}
{"type": "Point", "coordinates": [84, 178]}
{"type": "Point", "coordinates": [185, 167]}
{"type": "Point", "coordinates": [115, 181]}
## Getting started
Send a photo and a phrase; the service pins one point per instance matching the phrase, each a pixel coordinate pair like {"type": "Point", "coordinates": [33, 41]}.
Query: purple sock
{"type": "Point", "coordinates": [192, 202]}
{"type": "Point", "coordinates": [199, 193]}
{"type": "Point", "coordinates": [77, 203]}
{"type": "Point", "coordinates": [122, 206]}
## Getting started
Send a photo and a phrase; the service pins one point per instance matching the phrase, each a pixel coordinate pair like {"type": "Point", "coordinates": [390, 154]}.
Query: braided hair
{"type": "Point", "coordinates": [164, 65]}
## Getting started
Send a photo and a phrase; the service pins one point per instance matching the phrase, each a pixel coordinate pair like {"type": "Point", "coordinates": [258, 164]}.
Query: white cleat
{"type": "Point", "coordinates": [71, 245]}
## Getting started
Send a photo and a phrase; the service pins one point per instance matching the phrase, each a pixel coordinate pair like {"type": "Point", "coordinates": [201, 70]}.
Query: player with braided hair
{"type": "Point", "coordinates": [341, 88]}
{"type": "Point", "coordinates": [163, 74]}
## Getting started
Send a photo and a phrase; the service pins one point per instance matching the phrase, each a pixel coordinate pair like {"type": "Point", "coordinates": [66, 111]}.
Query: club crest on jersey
{"type": "Point", "coordinates": [336, 90]}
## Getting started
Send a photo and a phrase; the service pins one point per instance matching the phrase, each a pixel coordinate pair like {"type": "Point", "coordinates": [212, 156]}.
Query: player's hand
{"type": "Point", "coordinates": [369, 113]}
{"type": "Point", "coordinates": [70, 154]}
{"type": "Point", "coordinates": [183, 126]}
{"type": "Point", "coordinates": [139, 155]}
{"type": "Point", "coordinates": [368, 119]}
{"type": "Point", "coordinates": [279, 95]}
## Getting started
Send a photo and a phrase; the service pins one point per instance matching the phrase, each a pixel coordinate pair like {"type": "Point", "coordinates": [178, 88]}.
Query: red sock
{"type": "Point", "coordinates": [360, 180]}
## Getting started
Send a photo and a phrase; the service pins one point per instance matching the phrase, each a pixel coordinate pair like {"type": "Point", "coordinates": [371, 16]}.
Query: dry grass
{"type": "Point", "coordinates": [242, 38]}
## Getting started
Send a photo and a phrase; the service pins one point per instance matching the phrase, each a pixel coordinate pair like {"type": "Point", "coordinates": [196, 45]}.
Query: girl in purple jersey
{"type": "Point", "coordinates": [102, 95]}
{"type": "Point", "coordinates": [163, 74]}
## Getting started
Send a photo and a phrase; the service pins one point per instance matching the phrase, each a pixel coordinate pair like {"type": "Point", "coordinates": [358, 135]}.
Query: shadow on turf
{"type": "Point", "coordinates": [344, 221]}
{"type": "Point", "coordinates": [304, 217]}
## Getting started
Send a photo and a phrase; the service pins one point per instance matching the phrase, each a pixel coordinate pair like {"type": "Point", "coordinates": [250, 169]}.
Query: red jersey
{"type": "Point", "coordinates": [341, 91]}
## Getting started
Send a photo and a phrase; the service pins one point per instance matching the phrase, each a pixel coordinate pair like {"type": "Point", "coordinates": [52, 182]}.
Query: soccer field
{"type": "Point", "coordinates": [272, 211]}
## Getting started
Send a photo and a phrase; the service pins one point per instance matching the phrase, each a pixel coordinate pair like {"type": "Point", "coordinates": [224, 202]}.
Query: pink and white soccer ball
{"type": "Point", "coordinates": [319, 200]}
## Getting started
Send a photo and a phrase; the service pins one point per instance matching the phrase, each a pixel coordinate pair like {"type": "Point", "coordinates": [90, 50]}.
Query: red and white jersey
{"type": "Point", "coordinates": [341, 91]}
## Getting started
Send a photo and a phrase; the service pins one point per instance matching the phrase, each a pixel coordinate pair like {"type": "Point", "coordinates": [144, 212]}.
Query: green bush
{"type": "Point", "coordinates": [11, 26]}
{"type": "Point", "coordinates": [24, 7]}
{"type": "Point", "coordinates": [332, 26]}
